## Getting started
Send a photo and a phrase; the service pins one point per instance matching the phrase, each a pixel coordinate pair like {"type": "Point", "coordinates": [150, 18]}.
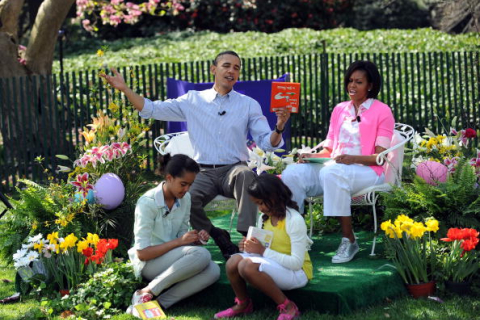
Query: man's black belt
{"type": "Point", "coordinates": [213, 166]}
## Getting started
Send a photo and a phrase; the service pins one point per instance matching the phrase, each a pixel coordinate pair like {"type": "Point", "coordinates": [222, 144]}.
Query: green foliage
{"type": "Point", "coordinates": [455, 203]}
{"type": "Point", "coordinates": [106, 293]}
{"type": "Point", "coordinates": [196, 46]}
{"type": "Point", "coordinates": [37, 210]}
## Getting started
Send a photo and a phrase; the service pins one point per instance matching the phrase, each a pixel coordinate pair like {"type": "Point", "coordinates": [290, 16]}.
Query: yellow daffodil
{"type": "Point", "coordinates": [38, 246]}
{"type": "Point", "coordinates": [53, 237]}
{"type": "Point", "coordinates": [417, 230]}
{"type": "Point", "coordinates": [100, 52]}
{"type": "Point", "coordinates": [403, 218]}
{"type": "Point", "coordinates": [93, 238]}
{"type": "Point", "coordinates": [82, 245]}
{"type": "Point", "coordinates": [386, 225]}
{"type": "Point", "coordinates": [69, 242]}
{"type": "Point", "coordinates": [406, 226]}
{"type": "Point", "coordinates": [432, 225]}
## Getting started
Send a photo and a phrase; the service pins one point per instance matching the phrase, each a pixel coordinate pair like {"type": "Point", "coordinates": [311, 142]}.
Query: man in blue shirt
{"type": "Point", "coordinates": [219, 120]}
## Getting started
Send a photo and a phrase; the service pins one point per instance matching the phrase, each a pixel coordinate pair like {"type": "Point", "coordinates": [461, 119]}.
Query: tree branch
{"type": "Point", "coordinates": [39, 55]}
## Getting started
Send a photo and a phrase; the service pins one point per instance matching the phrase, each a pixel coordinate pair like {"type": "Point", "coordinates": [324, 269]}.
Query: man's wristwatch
{"type": "Point", "coordinates": [278, 130]}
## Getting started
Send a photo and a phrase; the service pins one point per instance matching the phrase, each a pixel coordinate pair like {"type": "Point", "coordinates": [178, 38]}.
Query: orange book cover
{"type": "Point", "coordinates": [285, 94]}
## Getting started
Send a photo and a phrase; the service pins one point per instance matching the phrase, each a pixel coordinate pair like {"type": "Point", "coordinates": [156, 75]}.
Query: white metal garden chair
{"type": "Point", "coordinates": [392, 160]}
{"type": "Point", "coordinates": [179, 143]}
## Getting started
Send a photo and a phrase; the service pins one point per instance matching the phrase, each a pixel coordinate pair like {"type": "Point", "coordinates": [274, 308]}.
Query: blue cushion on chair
{"type": "Point", "coordinates": [259, 90]}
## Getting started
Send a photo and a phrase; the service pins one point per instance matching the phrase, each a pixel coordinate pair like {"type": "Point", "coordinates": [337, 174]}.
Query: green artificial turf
{"type": "Point", "coordinates": [335, 288]}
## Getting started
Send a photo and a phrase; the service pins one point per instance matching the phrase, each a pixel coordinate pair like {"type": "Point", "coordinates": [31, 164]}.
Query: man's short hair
{"type": "Point", "coordinates": [230, 52]}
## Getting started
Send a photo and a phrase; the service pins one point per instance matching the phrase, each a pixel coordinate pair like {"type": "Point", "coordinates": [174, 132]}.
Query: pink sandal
{"type": "Point", "coordinates": [285, 313]}
{"type": "Point", "coordinates": [230, 313]}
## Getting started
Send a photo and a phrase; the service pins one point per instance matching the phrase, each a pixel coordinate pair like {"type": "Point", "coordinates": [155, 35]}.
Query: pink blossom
{"type": "Point", "coordinates": [451, 163]}
{"type": "Point", "coordinates": [82, 183]}
{"type": "Point", "coordinates": [82, 162]}
{"type": "Point", "coordinates": [463, 138]}
{"type": "Point", "coordinates": [110, 9]}
{"type": "Point", "coordinates": [115, 20]}
{"type": "Point", "coordinates": [126, 147]}
{"type": "Point", "coordinates": [97, 153]}
{"type": "Point", "coordinates": [109, 154]}
{"type": "Point", "coordinates": [86, 25]}
{"type": "Point", "coordinates": [475, 162]}
{"type": "Point", "coordinates": [116, 149]}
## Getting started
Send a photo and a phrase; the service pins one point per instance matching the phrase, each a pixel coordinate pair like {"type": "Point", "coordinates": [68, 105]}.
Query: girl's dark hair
{"type": "Point", "coordinates": [176, 165]}
{"type": "Point", "coordinates": [274, 193]}
{"type": "Point", "coordinates": [373, 76]}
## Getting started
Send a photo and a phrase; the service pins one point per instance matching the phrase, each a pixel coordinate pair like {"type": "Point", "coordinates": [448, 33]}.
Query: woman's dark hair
{"type": "Point", "coordinates": [230, 52]}
{"type": "Point", "coordinates": [176, 165]}
{"type": "Point", "coordinates": [274, 193]}
{"type": "Point", "coordinates": [373, 76]}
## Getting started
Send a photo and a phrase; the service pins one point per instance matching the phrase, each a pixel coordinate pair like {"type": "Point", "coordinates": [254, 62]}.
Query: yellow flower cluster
{"type": "Point", "coordinates": [440, 144]}
{"type": "Point", "coordinates": [92, 239]}
{"type": "Point", "coordinates": [404, 224]}
{"type": "Point", "coordinates": [70, 241]}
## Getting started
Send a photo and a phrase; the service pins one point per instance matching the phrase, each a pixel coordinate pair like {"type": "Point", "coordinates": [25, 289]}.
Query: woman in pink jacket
{"type": "Point", "coordinates": [359, 130]}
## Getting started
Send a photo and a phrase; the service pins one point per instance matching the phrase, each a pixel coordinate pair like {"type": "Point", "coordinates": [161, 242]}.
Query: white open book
{"type": "Point", "coordinates": [262, 235]}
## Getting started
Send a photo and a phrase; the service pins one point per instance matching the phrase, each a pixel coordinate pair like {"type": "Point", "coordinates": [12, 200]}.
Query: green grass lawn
{"type": "Point", "coordinates": [200, 46]}
{"type": "Point", "coordinates": [403, 309]}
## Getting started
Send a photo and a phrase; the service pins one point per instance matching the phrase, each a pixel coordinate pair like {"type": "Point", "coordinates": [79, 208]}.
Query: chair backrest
{"type": "Point", "coordinates": [174, 143]}
{"type": "Point", "coordinates": [394, 162]}
{"type": "Point", "coordinates": [259, 90]}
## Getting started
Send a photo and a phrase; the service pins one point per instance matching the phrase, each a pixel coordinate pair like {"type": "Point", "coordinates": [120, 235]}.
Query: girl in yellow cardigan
{"type": "Point", "coordinates": [285, 265]}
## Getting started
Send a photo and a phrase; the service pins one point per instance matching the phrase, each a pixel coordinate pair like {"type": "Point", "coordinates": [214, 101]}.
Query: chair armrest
{"type": "Point", "coordinates": [406, 132]}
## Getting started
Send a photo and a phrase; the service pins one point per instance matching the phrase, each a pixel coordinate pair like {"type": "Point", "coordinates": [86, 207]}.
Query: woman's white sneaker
{"type": "Point", "coordinates": [346, 251]}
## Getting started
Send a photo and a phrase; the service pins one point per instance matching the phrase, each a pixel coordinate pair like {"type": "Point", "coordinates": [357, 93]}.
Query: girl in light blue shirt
{"type": "Point", "coordinates": [163, 252]}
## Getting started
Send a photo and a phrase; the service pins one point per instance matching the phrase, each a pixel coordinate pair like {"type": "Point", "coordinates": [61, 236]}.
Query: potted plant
{"type": "Point", "coordinates": [410, 246]}
{"type": "Point", "coordinates": [458, 259]}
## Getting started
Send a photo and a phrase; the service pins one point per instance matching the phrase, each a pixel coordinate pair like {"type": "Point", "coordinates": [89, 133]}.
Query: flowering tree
{"type": "Point", "coordinates": [114, 12]}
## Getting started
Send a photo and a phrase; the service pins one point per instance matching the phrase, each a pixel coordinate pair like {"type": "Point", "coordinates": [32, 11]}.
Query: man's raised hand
{"type": "Point", "coordinates": [116, 80]}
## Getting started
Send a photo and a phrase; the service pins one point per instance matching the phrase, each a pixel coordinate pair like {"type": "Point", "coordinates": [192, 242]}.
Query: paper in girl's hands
{"type": "Point", "coordinates": [285, 94]}
{"type": "Point", "coordinates": [203, 237]}
{"type": "Point", "coordinates": [264, 236]}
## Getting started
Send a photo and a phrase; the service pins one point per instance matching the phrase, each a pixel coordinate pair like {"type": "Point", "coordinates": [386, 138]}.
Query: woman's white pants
{"type": "Point", "coordinates": [335, 181]}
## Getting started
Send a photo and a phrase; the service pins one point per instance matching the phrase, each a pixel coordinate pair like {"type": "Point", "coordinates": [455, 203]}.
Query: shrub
{"type": "Point", "coordinates": [265, 16]}
{"type": "Point", "coordinates": [386, 14]}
